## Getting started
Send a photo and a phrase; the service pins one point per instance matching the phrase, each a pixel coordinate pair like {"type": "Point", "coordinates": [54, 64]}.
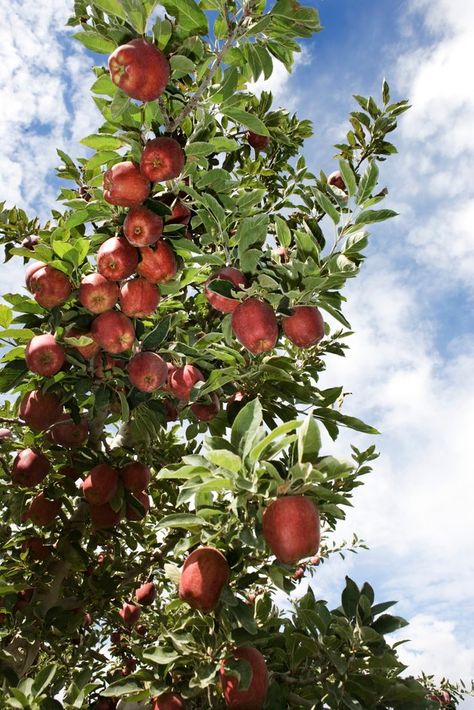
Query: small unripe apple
{"type": "Point", "coordinates": [254, 697]}
{"type": "Point", "coordinates": [117, 259]}
{"type": "Point", "coordinates": [146, 594]}
{"type": "Point", "coordinates": [44, 356]}
{"type": "Point", "coordinates": [100, 485]}
{"type": "Point", "coordinates": [139, 69]}
{"type": "Point", "coordinates": [133, 513]}
{"type": "Point", "coordinates": [135, 476]}
{"type": "Point", "coordinates": [67, 433]}
{"type": "Point", "coordinates": [182, 380]}
{"type": "Point", "coordinates": [291, 528]}
{"type": "Point", "coordinates": [305, 327]}
{"type": "Point", "coordinates": [113, 331]}
{"type": "Point", "coordinates": [257, 141]}
{"type": "Point", "coordinates": [204, 575]}
{"type": "Point", "coordinates": [206, 411]}
{"type": "Point", "coordinates": [142, 226]}
{"type": "Point", "coordinates": [158, 264]}
{"type": "Point", "coordinates": [139, 298]}
{"type": "Point", "coordinates": [147, 371]}
{"type": "Point", "coordinates": [87, 351]}
{"type": "Point", "coordinates": [104, 516]}
{"type": "Point", "coordinates": [125, 186]}
{"type": "Point", "coordinates": [31, 269]}
{"type": "Point", "coordinates": [130, 613]}
{"type": "Point", "coordinates": [337, 180]}
{"type": "Point", "coordinates": [169, 701]}
{"type": "Point", "coordinates": [255, 325]}
{"type": "Point", "coordinates": [30, 467]}
{"type": "Point", "coordinates": [97, 293]}
{"type": "Point", "coordinates": [225, 304]}
{"type": "Point", "coordinates": [162, 159]}
{"type": "Point", "coordinates": [49, 287]}
{"type": "Point", "coordinates": [39, 410]}
{"type": "Point", "coordinates": [42, 511]}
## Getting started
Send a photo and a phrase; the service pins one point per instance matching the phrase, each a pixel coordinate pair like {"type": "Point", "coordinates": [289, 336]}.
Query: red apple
{"type": "Point", "coordinates": [36, 548]}
{"type": "Point", "coordinates": [44, 355]}
{"type": "Point", "coordinates": [139, 298]}
{"type": "Point", "coordinates": [30, 467]}
{"type": "Point", "coordinates": [30, 270]}
{"type": "Point", "coordinates": [254, 697]}
{"type": "Point", "coordinates": [5, 434]}
{"type": "Point", "coordinates": [204, 575]}
{"type": "Point", "coordinates": [205, 411]}
{"type": "Point", "coordinates": [305, 327]}
{"type": "Point", "coordinates": [87, 351]}
{"type": "Point", "coordinates": [141, 629]}
{"type": "Point", "coordinates": [130, 614]}
{"type": "Point", "coordinates": [169, 701]}
{"type": "Point", "coordinates": [147, 371]}
{"type": "Point", "coordinates": [162, 159]}
{"type": "Point", "coordinates": [337, 180]}
{"type": "Point", "coordinates": [258, 142]}
{"type": "Point", "coordinates": [117, 259]}
{"type": "Point", "coordinates": [180, 214]}
{"type": "Point", "coordinates": [67, 433]}
{"type": "Point", "coordinates": [116, 637]}
{"type": "Point", "coordinates": [132, 513]}
{"type": "Point", "coordinates": [42, 511]}
{"type": "Point", "coordinates": [97, 293]}
{"type": "Point", "coordinates": [158, 264]}
{"type": "Point", "coordinates": [101, 484]}
{"type": "Point", "coordinates": [291, 528]}
{"type": "Point", "coordinates": [139, 69]}
{"type": "Point", "coordinates": [183, 379]}
{"type": "Point", "coordinates": [69, 472]}
{"type": "Point", "coordinates": [124, 185]}
{"type": "Point", "coordinates": [40, 409]}
{"type": "Point", "coordinates": [146, 594]}
{"type": "Point", "coordinates": [113, 331]}
{"type": "Point", "coordinates": [49, 286]}
{"type": "Point", "coordinates": [23, 599]}
{"type": "Point", "coordinates": [135, 476]}
{"type": "Point", "coordinates": [104, 516]}
{"type": "Point", "coordinates": [225, 304]}
{"type": "Point", "coordinates": [171, 411]}
{"type": "Point", "coordinates": [255, 325]}
{"type": "Point", "coordinates": [142, 227]}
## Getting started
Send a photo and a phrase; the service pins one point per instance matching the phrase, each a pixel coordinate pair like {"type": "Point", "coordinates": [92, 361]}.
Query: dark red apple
{"type": "Point", "coordinates": [171, 411]}
{"type": "Point", "coordinates": [132, 513]}
{"type": "Point", "coordinates": [254, 697]}
{"type": "Point", "coordinates": [87, 351]}
{"type": "Point", "coordinates": [30, 270]}
{"type": "Point", "coordinates": [116, 637]}
{"type": "Point", "coordinates": [97, 293]}
{"type": "Point", "coordinates": [117, 259]}
{"type": "Point", "coordinates": [42, 511]}
{"type": "Point", "coordinates": [135, 476]}
{"type": "Point", "coordinates": [23, 599]}
{"type": "Point", "coordinates": [69, 472]}
{"type": "Point", "coordinates": [204, 575]}
{"type": "Point", "coordinates": [146, 594]}
{"type": "Point", "coordinates": [291, 528]}
{"type": "Point", "coordinates": [180, 212]}
{"type": "Point", "coordinates": [255, 325]}
{"type": "Point", "coordinates": [67, 433]}
{"type": "Point", "coordinates": [158, 264]}
{"type": "Point", "coordinates": [101, 484]}
{"type": "Point", "coordinates": [104, 516]}
{"type": "Point", "coordinates": [36, 548]}
{"type": "Point", "coordinates": [305, 327]}
{"type": "Point", "coordinates": [50, 287]}
{"type": "Point", "coordinates": [30, 467]}
{"type": "Point", "coordinates": [113, 331]}
{"type": "Point", "coordinates": [257, 141]}
{"type": "Point", "coordinates": [142, 227]}
{"type": "Point", "coordinates": [44, 355]}
{"type": "Point", "coordinates": [205, 411]}
{"type": "Point", "coordinates": [125, 186]}
{"type": "Point", "coordinates": [169, 701]}
{"type": "Point", "coordinates": [139, 298]}
{"type": "Point", "coordinates": [139, 69]}
{"type": "Point", "coordinates": [147, 371]}
{"type": "Point", "coordinates": [130, 614]}
{"type": "Point", "coordinates": [40, 409]}
{"type": "Point", "coordinates": [141, 629]}
{"type": "Point", "coordinates": [337, 180]}
{"type": "Point", "coordinates": [162, 159]}
{"type": "Point", "coordinates": [182, 380]}
{"type": "Point", "coordinates": [223, 303]}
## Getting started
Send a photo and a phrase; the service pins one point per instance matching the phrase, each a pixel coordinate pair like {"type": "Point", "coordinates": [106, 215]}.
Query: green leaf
{"type": "Point", "coordinates": [160, 656]}
{"type": "Point", "coordinates": [326, 205]}
{"type": "Point", "coordinates": [95, 42]}
{"type": "Point", "coordinates": [157, 335]}
{"type": "Point", "coordinates": [350, 598]}
{"type": "Point", "coordinates": [309, 441]}
{"type": "Point", "coordinates": [44, 678]}
{"type": "Point", "coordinates": [246, 119]}
{"type": "Point", "coordinates": [257, 451]}
{"type": "Point", "coordinates": [105, 156]}
{"type": "Point", "coordinates": [190, 19]}
{"type": "Point", "coordinates": [372, 216]}
{"type": "Point", "coordinates": [181, 520]}
{"type": "Point", "coordinates": [162, 31]}
{"type": "Point", "coordinates": [386, 624]}
{"type": "Point", "coordinates": [181, 66]}
{"type": "Point", "coordinates": [102, 141]}
{"type": "Point", "coordinates": [367, 182]}
{"type": "Point", "coordinates": [19, 334]}
{"type": "Point", "coordinates": [12, 374]}
{"type": "Point", "coordinates": [112, 8]}
{"type": "Point", "coordinates": [124, 686]}
{"type": "Point", "coordinates": [225, 459]}
{"type": "Point", "coordinates": [283, 232]}
{"type": "Point", "coordinates": [246, 427]}
{"type": "Point", "coordinates": [348, 176]}
{"type": "Point", "coordinates": [6, 316]}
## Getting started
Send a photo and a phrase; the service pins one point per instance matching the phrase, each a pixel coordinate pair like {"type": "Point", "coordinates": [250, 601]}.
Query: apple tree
{"type": "Point", "coordinates": [165, 490]}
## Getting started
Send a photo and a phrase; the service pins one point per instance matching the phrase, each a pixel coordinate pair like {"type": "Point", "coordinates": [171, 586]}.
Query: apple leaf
{"type": "Point", "coordinates": [249, 120]}
{"type": "Point", "coordinates": [96, 42]}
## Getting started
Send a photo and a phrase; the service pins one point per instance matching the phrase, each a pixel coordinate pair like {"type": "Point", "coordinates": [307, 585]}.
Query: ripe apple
{"type": "Point", "coordinates": [180, 212]}
{"type": "Point", "coordinates": [291, 528]}
{"type": "Point", "coordinates": [158, 264]}
{"type": "Point", "coordinates": [305, 327]}
{"type": "Point", "coordinates": [147, 371]}
{"type": "Point", "coordinates": [130, 613]}
{"type": "Point", "coordinates": [42, 511]}
{"type": "Point", "coordinates": [337, 180]}
{"type": "Point", "coordinates": [139, 69]}
{"type": "Point", "coordinates": [30, 467]}
{"type": "Point", "coordinates": [100, 485]}
{"type": "Point", "coordinates": [142, 226]}
{"type": "Point", "coordinates": [135, 476]}
{"type": "Point", "coordinates": [146, 594]}
{"type": "Point", "coordinates": [104, 516]}
{"type": "Point", "coordinates": [30, 270]}
{"type": "Point", "coordinates": [162, 159]}
{"type": "Point", "coordinates": [225, 304]}
{"type": "Point", "coordinates": [254, 697]}
{"type": "Point", "coordinates": [116, 637]}
{"type": "Point", "coordinates": [117, 259]}
{"type": "Point", "coordinates": [49, 286]}
{"type": "Point", "coordinates": [40, 409]}
{"type": "Point", "coordinates": [87, 351]}
{"type": "Point", "coordinates": [67, 433]}
{"type": "Point", "coordinates": [139, 298]}
{"type": "Point", "coordinates": [125, 186]}
{"type": "Point", "coordinates": [171, 411]}
{"type": "Point", "coordinates": [169, 701]}
{"type": "Point", "coordinates": [44, 355]}
{"type": "Point", "coordinates": [113, 331]}
{"type": "Point", "coordinates": [257, 141]}
{"type": "Point", "coordinates": [255, 325]}
{"type": "Point", "coordinates": [133, 513]}
{"type": "Point", "coordinates": [97, 293]}
{"type": "Point", "coordinates": [205, 411]}
{"type": "Point", "coordinates": [183, 379]}
{"type": "Point", "coordinates": [204, 575]}
{"type": "Point", "coordinates": [69, 472]}
{"type": "Point", "coordinates": [36, 548]}
{"type": "Point", "coordinates": [23, 599]}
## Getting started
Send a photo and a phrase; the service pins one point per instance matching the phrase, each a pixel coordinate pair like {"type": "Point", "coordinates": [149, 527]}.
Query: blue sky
{"type": "Point", "coordinates": [411, 363]}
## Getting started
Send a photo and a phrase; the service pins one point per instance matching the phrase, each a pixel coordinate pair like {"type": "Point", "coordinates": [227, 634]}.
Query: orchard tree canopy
{"type": "Point", "coordinates": [163, 474]}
